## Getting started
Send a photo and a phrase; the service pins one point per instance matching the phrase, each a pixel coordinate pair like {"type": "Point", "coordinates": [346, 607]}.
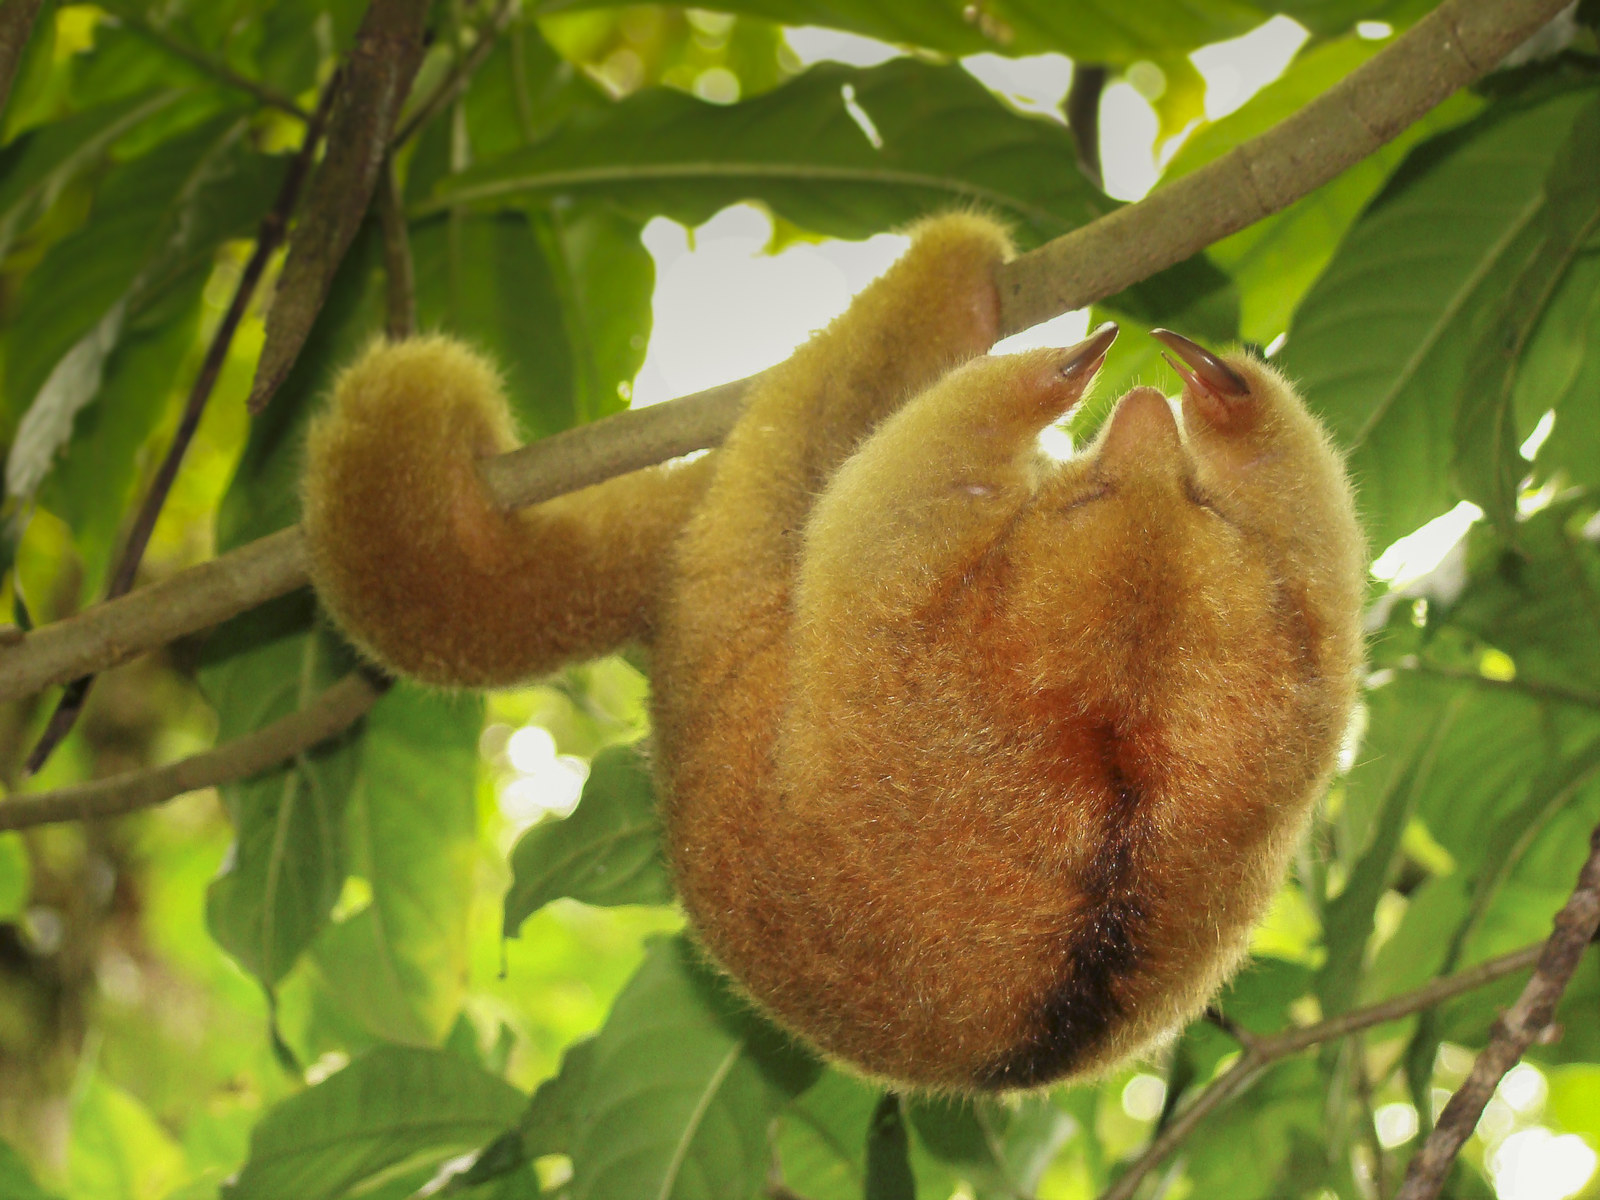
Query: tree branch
{"type": "Point", "coordinates": [460, 74]}
{"type": "Point", "coordinates": [1452, 46]}
{"type": "Point", "coordinates": [331, 713]}
{"type": "Point", "coordinates": [1513, 1032]}
{"type": "Point", "coordinates": [268, 237]}
{"type": "Point", "coordinates": [1264, 1050]}
{"type": "Point", "coordinates": [16, 23]}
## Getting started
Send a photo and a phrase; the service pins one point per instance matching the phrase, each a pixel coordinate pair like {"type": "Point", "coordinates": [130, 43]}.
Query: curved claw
{"type": "Point", "coordinates": [1085, 358]}
{"type": "Point", "coordinates": [1207, 372]}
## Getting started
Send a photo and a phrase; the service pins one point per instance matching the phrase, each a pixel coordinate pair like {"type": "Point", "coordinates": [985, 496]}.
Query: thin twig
{"type": "Point", "coordinates": [400, 291]}
{"type": "Point", "coordinates": [214, 67]}
{"type": "Point", "coordinates": [330, 714]}
{"type": "Point", "coordinates": [1513, 1032]}
{"type": "Point", "coordinates": [455, 83]}
{"type": "Point", "coordinates": [1451, 46]}
{"type": "Point", "coordinates": [270, 235]}
{"type": "Point", "coordinates": [1268, 1049]}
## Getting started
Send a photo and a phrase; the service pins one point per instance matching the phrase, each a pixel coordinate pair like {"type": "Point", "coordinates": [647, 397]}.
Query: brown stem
{"type": "Point", "coordinates": [1082, 110]}
{"type": "Point", "coordinates": [1452, 46]}
{"type": "Point", "coordinates": [331, 713]}
{"type": "Point", "coordinates": [1268, 1049]}
{"type": "Point", "coordinates": [1513, 1032]}
{"type": "Point", "coordinates": [400, 292]}
{"type": "Point", "coordinates": [460, 75]}
{"type": "Point", "coordinates": [16, 23]}
{"type": "Point", "coordinates": [268, 238]}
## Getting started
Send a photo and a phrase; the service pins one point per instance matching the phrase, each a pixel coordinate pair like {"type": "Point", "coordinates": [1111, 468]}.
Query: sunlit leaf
{"type": "Point", "coordinates": [1090, 30]}
{"type": "Point", "coordinates": [36, 168]}
{"type": "Point", "coordinates": [1273, 261]}
{"type": "Point", "coordinates": [1487, 462]}
{"type": "Point", "coordinates": [400, 964]}
{"type": "Point", "coordinates": [1573, 1100]}
{"type": "Point", "coordinates": [119, 1151]}
{"type": "Point", "coordinates": [16, 876]}
{"type": "Point", "coordinates": [606, 278]}
{"type": "Point", "coordinates": [1270, 1142]}
{"type": "Point", "coordinates": [801, 150]}
{"type": "Point", "coordinates": [156, 226]}
{"type": "Point", "coordinates": [607, 852]}
{"type": "Point", "coordinates": [821, 1140]}
{"type": "Point", "coordinates": [1381, 342]}
{"type": "Point", "coordinates": [682, 1085]}
{"type": "Point", "coordinates": [16, 1181]}
{"type": "Point", "coordinates": [287, 865]}
{"type": "Point", "coordinates": [488, 279]}
{"type": "Point", "coordinates": [91, 488]}
{"type": "Point", "coordinates": [392, 1108]}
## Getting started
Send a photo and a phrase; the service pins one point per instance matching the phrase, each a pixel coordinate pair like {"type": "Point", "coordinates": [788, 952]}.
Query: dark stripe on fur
{"type": "Point", "coordinates": [1076, 1016]}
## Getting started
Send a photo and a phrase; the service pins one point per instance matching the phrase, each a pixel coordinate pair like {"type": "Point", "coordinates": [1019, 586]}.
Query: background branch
{"type": "Point", "coordinates": [330, 714]}
{"type": "Point", "coordinates": [1512, 1034]}
{"type": "Point", "coordinates": [1452, 46]}
{"type": "Point", "coordinates": [1264, 1050]}
{"type": "Point", "coordinates": [269, 237]}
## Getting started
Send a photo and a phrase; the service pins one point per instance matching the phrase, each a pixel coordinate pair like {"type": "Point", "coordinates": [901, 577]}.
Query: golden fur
{"type": "Point", "coordinates": [975, 768]}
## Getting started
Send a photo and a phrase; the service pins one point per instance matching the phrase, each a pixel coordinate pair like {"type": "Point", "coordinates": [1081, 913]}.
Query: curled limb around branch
{"type": "Point", "coordinates": [1451, 47]}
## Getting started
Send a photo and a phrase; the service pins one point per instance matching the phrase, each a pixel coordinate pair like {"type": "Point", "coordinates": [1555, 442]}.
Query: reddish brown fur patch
{"type": "Point", "coordinates": [975, 770]}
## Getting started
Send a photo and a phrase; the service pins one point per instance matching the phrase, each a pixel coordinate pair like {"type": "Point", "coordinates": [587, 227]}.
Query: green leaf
{"type": "Point", "coordinates": [16, 1181]}
{"type": "Point", "coordinates": [1275, 260]}
{"type": "Point", "coordinates": [889, 1153]}
{"type": "Point", "coordinates": [1573, 1100]}
{"type": "Point", "coordinates": [1488, 464]}
{"type": "Point", "coordinates": [91, 487]}
{"type": "Point", "coordinates": [400, 964]}
{"type": "Point", "coordinates": [607, 852]}
{"type": "Point", "coordinates": [118, 1150]}
{"type": "Point", "coordinates": [265, 493]}
{"type": "Point", "coordinates": [287, 865]}
{"type": "Point", "coordinates": [998, 1150]}
{"type": "Point", "coordinates": [1397, 776]}
{"type": "Point", "coordinates": [799, 150]}
{"type": "Point", "coordinates": [1089, 30]}
{"type": "Point", "coordinates": [606, 279]}
{"type": "Point", "coordinates": [16, 876]}
{"type": "Point", "coordinates": [36, 168]}
{"type": "Point", "coordinates": [486, 278]}
{"type": "Point", "coordinates": [547, 1124]}
{"type": "Point", "coordinates": [682, 1086]}
{"type": "Point", "coordinates": [820, 1149]}
{"type": "Point", "coordinates": [1384, 364]}
{"type": "Point", "coordinates": [156, 226]}
{"type": "Point", "coordinates": [1538, 602]}
{"type": "Point", "coordinates": [391, 1109]}
{"type": "Point", "coordinates": [1270, 1142]}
